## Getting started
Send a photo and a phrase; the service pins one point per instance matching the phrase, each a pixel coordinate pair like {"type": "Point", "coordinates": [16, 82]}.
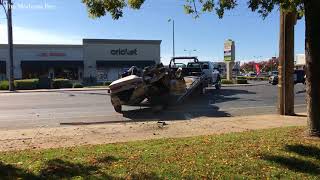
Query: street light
{"type": "Point", "coordinates": [8, 13]}
{"type": "Point", "coordinates": [173, 38]}
{"type": "Point", "coordinates": [190, 51]}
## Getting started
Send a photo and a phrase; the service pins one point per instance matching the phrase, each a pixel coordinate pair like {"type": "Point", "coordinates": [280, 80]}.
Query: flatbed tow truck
{"type": "Point", "coordinates": [163, 86]}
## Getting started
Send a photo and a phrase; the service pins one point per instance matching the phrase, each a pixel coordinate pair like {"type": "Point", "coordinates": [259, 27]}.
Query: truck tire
{"type": "Point", "coordinates": [118, 109]}
{"type": "Point", "coordinates": [218, 84]}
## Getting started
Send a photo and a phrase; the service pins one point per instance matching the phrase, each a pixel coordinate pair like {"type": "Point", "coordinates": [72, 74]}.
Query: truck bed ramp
{"type": "Point", "coordinates": [196, 82]}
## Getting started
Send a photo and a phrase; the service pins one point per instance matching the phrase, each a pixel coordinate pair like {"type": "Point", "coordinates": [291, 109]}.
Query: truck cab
{"type": "Point", "coordinates": [194, 67]}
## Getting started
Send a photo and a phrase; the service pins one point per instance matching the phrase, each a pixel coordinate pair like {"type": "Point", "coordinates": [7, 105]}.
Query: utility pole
{"type": "Point", "coordinates": [10, 44]}
{"type": "Point", "coordinates": [190, 51]}
{"type": "Point", "coordinates": [8, 13]}
{"type": "Point", "coordinates": [173, 38]}
{"type": "Point", "coordinates": [286, 63]}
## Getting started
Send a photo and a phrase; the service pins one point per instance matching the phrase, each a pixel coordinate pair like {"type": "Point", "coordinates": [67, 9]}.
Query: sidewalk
{"type": "Point", "coordinates": [68, 136]}
{"type": "Point", "coordinates": [56, 90]}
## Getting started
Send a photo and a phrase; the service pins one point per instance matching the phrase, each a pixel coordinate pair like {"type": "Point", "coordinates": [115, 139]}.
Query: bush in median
{"type": "Point", "coordinates": [26, 84]}
{"type": "Point", "coordinates": [4, 85]}
{"type": "Point", "coordinates": [61, 83]}
{"type": "Point", "coordinates": [107, 83]}
{"type": "Point", "coordinates": [77, 85]}
{"type": "Point", "coordinates": [225, 81]}
{"type": "Point", "coordinates": [242, 81]}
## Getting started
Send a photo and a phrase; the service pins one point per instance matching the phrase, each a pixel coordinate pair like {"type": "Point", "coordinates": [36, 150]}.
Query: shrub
{"type": "Point", "coordinates": [4, 85]}
{"type": "Point", "coordinates": [225, 81]}
{"type": "Point", "coordinates": [61, 83]}
{"type": "Point", "coordinates": [77, 85]}
{"type": "Point", "coordinates": [26, 84]}
{"type": "Point", "coordinates": [90, 81]}
{"type": "Point", "coordinates": [107, 83]}
{"type": "Point", "coordinates": [242, 81]}
{"type": "Point", "coordinates": [241, 77]}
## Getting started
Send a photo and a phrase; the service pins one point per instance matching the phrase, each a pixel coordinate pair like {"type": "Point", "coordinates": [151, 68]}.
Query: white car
{"type": "Point", "coordinates": [212, 73]}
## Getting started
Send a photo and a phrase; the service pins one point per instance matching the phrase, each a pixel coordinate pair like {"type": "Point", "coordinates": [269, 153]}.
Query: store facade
{"type": "Point", "coordinates": [102, 59]}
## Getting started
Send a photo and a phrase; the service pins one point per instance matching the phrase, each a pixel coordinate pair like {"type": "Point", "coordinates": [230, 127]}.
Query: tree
{"type": "Point", "coordinates": [266, 66]}
{"type": "Point", "coordinates": [309, 8]}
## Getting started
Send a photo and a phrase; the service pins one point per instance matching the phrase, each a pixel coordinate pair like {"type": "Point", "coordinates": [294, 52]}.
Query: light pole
{"type": "Point", "coordinates": [173, 38]}
{"type": "Point", "coordinates": [190, 51]}
{"type": "Point", "coordinates": [8, 12]}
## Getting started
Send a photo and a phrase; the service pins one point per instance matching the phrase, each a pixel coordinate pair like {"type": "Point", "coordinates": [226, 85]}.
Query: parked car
{"type": "Point", "coordinates": [274, 79]}
{"type": "Point", "coordinates": [298, 77]}
{"type": "Point", "coordinates": [251, 74]}
{"type": "Point", "coordinates": [273, 73]}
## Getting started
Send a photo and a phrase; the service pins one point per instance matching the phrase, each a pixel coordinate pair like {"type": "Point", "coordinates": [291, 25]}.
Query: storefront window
{"type": "Point", "coordinates": [66, 73]}
{"type": "Point", "coordinates": [51, 69]}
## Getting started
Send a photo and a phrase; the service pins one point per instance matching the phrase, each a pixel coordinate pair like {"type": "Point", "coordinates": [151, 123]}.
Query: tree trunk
{"type": "Point", "coordinates": [312, 17]}
{"type": "Point", "coordinates": [286, 64]}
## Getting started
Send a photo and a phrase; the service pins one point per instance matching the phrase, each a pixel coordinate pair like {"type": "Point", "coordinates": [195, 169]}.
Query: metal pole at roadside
{"type": "Point", "coordinates": [8, 13]}
{"type": "Point", "coordinates": [10, 44]}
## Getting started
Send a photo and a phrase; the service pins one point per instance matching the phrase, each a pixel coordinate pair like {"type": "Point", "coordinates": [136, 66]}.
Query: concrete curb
{"type": "Point", "coordinates": [243, 85]}
{"type": "Point", "coordinates": [106, 89]}
{"type": "Point", "coordinates": [55, 90]}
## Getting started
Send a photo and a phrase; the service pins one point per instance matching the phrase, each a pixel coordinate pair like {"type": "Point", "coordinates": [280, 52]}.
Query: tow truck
{"type": "Point", "coordinates": [162, 86]}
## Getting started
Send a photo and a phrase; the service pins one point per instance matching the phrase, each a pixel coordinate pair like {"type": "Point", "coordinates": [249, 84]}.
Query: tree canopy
{"type": "Point", "coordinates": [98, 8]}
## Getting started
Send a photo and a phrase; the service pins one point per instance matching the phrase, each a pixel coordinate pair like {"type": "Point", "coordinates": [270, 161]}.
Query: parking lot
{"type": "Point", "coordinates": [49, 109]}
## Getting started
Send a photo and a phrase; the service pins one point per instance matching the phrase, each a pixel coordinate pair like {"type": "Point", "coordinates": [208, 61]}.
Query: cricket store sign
{"type": "Point", "coordinates": [124, 52]}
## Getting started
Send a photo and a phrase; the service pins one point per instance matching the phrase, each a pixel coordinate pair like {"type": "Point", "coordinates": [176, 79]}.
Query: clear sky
{"type": "Point", "coordinates": [67, 22]}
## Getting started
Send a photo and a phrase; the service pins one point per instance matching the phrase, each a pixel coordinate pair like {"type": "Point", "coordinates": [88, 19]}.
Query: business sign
{"type": "Point", "coordinates": [124, 52]}
{"type": "Point", "coordinates": [52, 54]}
{"type": "Point", "coordinates": [229, 51]}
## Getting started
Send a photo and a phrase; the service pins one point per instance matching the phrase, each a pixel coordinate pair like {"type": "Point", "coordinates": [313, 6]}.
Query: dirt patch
{"type": "Point", "coordinates": [67, 136]}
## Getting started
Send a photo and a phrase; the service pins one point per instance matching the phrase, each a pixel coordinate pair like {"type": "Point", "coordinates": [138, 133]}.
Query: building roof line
{"type": "Point", "coordinates": [43, 45]}
{"type": "Point", "coordinates": [120, 41]}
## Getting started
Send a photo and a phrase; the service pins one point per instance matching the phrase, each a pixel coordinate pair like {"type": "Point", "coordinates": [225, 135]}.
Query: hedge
{"type": "Point", "coordinates": [26, 84]}
{"type": "Point", "coordinates": [61, 83]}
{"type": "Point", "coordinates": [225, 81]}
{"type": "Point", "coordinates": [242, 81]}
{"type": "Point", "coordinates": [77, 85]}
{"type": "Point", "coordinates": [4, 85]}
{"type": "Point", "coordinates": [253, 78]}
{"type": "Point", "coordinates": [107, 83]}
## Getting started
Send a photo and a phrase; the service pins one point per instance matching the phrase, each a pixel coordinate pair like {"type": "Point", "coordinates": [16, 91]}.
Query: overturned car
{"type": "Point", "coordinates": [160, 85]}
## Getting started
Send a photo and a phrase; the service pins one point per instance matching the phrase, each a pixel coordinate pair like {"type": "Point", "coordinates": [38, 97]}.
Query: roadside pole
{"type": "Point", "coordinates": [286, 64]}
{"type": "Point", "coordinates": [10, 45]}
{"type": "Point", "coordinates": [173, 37]}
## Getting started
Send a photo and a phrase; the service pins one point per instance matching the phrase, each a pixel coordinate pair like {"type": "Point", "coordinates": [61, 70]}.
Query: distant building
{"type": "Point", "coordinates": [300, 61]}
{"type": "Point", "coordinates": [102, 59]}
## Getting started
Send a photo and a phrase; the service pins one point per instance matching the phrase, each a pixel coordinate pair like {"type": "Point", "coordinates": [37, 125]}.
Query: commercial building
{"type": "Point", "coordinates": [101, 59]}
{"type": "Point", "coordinates": [300, 61]}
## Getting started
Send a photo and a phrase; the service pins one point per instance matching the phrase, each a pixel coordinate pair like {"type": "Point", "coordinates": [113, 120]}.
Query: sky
{"type": "Point", "coordinates": [67, 22]}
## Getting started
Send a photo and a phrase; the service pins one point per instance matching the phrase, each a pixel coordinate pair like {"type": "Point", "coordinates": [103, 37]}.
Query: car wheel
{"type": "Point", "coordinates": [218, 84]}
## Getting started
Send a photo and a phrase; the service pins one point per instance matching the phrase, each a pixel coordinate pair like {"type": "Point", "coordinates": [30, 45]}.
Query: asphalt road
{"type": "Point", "coordinates": [31, 110]}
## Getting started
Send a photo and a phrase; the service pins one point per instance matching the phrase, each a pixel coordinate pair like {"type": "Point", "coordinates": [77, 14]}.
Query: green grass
{"type": "Point", "coordinates": [276, 154]}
